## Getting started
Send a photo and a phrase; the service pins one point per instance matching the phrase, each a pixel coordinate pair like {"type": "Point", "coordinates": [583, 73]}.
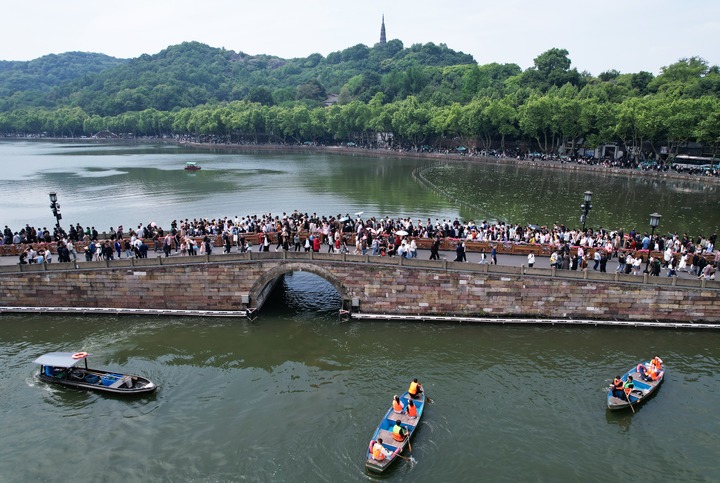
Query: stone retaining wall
{"type": "Point", "coordinates": [387, 286]}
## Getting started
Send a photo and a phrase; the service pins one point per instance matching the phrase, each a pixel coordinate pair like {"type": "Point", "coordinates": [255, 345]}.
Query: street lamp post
{"type": "Point", "coordinates": [55, 206]}
{"type": "Point", "coordinates": [654, 222]}
{"type": "Point", "coordinates": [585, 208]}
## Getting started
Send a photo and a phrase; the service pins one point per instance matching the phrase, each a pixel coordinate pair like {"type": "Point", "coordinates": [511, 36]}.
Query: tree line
{"type": "Point", "coordinates": [544, 108]}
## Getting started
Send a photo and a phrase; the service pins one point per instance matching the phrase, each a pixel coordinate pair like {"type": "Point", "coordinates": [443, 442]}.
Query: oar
{"type": "Point", "coordinates": [428, 399]}
{"type": "Point", "coordinates": [627, 396]}
{"type": "Point", "coordinates": [403, 457]}
{"type": "Point", "coordinates": [409, 445]}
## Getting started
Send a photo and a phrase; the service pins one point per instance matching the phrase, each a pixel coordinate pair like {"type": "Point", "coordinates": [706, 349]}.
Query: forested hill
{"type": "Point", "coordinates": [28, 82]}
{"type": "Point", "coordinates": [424, 95]}
{"type": "Point", "coordinates": [191, 74]}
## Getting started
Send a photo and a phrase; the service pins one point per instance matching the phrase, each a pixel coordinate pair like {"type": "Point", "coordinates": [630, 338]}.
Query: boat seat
{"type": "Point", "coordinates": [123, 380]}
{"type": "Point", "coordinates": [388, 439]}
{"type": "Point", "coordinates": [404, 418]}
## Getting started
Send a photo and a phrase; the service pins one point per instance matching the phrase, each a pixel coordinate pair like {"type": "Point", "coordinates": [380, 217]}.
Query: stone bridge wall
{"type": "Point", "coordinates": [378, 285]}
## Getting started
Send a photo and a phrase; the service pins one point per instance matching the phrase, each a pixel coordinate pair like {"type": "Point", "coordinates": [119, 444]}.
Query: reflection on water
{"type": "Point", "coordinates": [546, 197]}
{"type": "Point", "coordinates": [102, 185]}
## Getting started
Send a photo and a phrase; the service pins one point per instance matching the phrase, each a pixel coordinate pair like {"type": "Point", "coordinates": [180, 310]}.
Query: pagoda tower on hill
{"type": "Point", "coordinates": [383, 40]}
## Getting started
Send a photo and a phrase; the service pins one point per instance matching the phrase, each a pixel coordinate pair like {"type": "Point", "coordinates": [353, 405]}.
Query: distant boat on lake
{"type": "Point", "coordinates": [192, 166]}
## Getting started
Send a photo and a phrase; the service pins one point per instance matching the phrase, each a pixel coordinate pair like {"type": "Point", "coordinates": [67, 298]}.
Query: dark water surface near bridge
{"type": "Point", "coordinates": [295, 396]}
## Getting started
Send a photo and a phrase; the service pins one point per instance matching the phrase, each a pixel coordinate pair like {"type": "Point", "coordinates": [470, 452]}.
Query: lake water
{"type": "Point", "coordinates": [108, 185]}
{"type": "Point", "coordinates": [297, 394]}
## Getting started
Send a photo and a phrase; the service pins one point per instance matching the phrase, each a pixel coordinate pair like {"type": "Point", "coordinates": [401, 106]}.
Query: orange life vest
{"type": "Point", "coordinates": [413, 388]}
{"type": "Point", "coordinates": [377, 452]}
{"type": "Point", "coordinates": [656, 363]}
{"type": "Point", "coordinates": [397, 406]}
{"type": "Point", "coordinates": [654, 372]}
{"type": "Point", "coordinates": [618, 384]}
{"type": "Point", "coordinates": [412, 410]}
{"type": "Point", "coordinates": [396, 433]}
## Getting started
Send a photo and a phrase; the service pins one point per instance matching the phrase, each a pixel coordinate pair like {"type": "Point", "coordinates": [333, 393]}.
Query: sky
{"type": "Point", "coordinates": [626, 35]}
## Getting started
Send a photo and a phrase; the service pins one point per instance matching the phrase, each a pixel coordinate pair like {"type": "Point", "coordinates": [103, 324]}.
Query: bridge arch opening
{"type": "Point", "coordinates": [299, 289]}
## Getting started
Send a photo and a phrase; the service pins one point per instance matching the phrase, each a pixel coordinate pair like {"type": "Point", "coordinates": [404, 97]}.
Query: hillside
{"type": "Point", "coordinates": [192, 74]}
{"type": "Point", "coordinates": [426, 96]}
{"type": "Point", "coordinates": [29, 83]}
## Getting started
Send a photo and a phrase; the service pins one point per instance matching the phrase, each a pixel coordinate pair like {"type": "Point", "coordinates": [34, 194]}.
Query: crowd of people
{"type": "Point", "coordinates": [386, 236]}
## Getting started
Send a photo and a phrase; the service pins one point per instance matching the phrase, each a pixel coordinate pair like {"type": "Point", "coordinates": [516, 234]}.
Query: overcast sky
{"type": "Point", "coordinates": [627, 35]}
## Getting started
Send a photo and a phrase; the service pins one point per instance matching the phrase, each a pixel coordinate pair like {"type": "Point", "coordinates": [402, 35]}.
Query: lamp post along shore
{"type": "Point", "coordinates": [585, 208]}
{"type": "Point", "coordinates": [55, 207]}
{"type": "Point", "coordinates": [654, 222]}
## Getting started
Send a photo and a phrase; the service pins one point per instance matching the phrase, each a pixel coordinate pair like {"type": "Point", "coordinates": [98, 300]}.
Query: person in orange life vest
{"type": "Point", "coordinates": [642, 369]}
{"type": "Point", "coordinates": [654, 371]}
{"type": "Point", "coordinates": [617, 388]}
{"type": "Point", "coordinates": [397, 405]}
{"type": "Point", "coordinates": [379, 452]}
{"type": "Point", "coordinates": [411, 409]}
{"type": "Point", "coordinates": [657, 362]}
{"type": "Point", "coordinates": [415, 388]}
{"type": "Point", "coordinates": [651, 373]}
{"type": "Point", "coordinates": [398, 432]}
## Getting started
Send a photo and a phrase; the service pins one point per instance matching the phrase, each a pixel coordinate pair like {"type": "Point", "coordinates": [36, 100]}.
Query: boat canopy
{"type": "Point", "coordinates": [61, 359]}
{"type": "Point", "coordinates": [191, 163]}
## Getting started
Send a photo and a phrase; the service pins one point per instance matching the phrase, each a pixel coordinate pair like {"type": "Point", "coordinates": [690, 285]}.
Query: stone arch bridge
{"type": "Point", "coordinates": [369, 285]}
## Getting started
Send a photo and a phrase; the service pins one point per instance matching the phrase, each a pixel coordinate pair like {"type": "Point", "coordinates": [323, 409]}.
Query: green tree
{"type": "Point", "coordinates": [312, 89]}
{"type": "Point", "coordinates": [411, 121]}
{"type": "Point", "coordinates": [502, 115]}
{"type": "Point", "coordinates": [261, 95]}
{"type": "Point", "coordinates": [552, 68]}
{"type": "Point", "coordinates": [537, 121]}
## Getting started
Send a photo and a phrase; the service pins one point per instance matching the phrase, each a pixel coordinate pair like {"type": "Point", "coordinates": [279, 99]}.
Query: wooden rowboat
{"type": "Point", "coordinates": [60, 368]}
{"type": "Point", "coordinates": [384, 432]}
{"type": "Point", "coordinates": [643, 388]}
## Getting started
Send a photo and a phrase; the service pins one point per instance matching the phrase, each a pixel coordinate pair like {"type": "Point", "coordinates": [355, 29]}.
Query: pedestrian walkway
{"type": "Point", "coordinates": [472, 257]}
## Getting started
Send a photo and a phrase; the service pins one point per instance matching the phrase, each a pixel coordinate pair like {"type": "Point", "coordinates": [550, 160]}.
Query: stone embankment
{"type": "Point", "coordinates": [371, 285]}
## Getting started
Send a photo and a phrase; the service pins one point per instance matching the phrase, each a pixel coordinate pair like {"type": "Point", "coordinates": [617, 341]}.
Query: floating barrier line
{"type": "Point", "coordinates": [498, 320]}
{"type": "Point", "coordinates": [124, 311]}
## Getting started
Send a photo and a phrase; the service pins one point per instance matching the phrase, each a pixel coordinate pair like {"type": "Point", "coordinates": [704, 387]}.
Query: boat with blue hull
{"type": "Point", "coordinates": [61, 368]}
{"type": "Point", "coordinates": [392, 447]}
{"type": "Point", "coordinates": [645, 387]}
